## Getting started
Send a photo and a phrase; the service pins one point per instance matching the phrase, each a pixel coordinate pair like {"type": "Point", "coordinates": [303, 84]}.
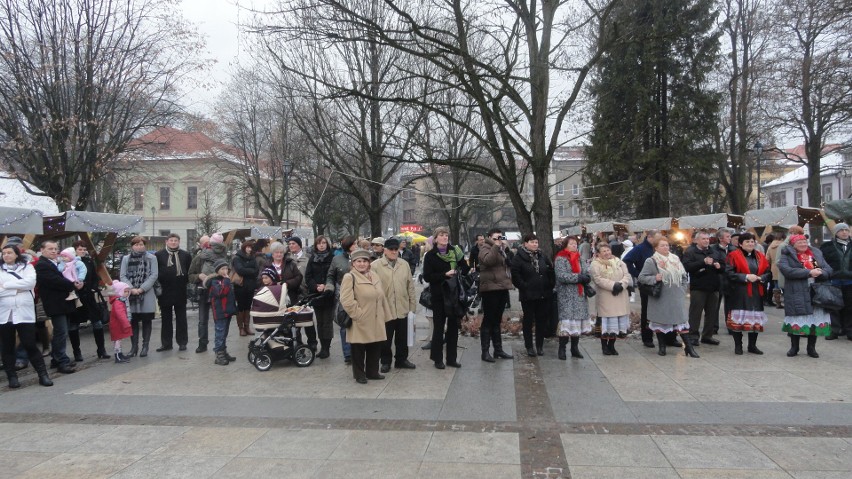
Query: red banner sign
{"type": "Point", "coordinates": [411, 228]}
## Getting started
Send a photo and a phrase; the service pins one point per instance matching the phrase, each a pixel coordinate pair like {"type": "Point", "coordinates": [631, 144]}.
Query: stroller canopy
{"type": "Point", "coordinates": [270, 301]}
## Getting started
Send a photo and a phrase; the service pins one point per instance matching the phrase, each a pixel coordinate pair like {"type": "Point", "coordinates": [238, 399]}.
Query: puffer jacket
{"type": "Point", "coordinates": [797, 290]}
{"type": "Point", "coordinates": [494, 273]}
{"type": "Point", "coordinates": [246, 266]}
{"type": "Point", "coordinates": [532, 284]}
{"type": "Point", "coordinates": [204, 261]}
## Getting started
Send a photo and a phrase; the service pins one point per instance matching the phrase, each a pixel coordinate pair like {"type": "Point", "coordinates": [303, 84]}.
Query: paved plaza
{"type": "Point", "coordinates": [637, 415]}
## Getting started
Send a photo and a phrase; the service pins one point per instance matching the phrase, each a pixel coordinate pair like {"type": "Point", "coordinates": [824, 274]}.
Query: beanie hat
{"type": "Point", "coordinates": [14, 241]}
{"type": "Point", "coordinates": [217, 238]}
{"type": "Point", "coordinates": [296, 240]}
{"type": "Point", "coordinates": [273, 275]}
{"type": "Point", "coordinates": [837, 227]}
{"type": "Point", "coordinates": [69, 254]}
{"type": "Point", "coordinates": [118, 288]}
{"type": "Point", "coordinates": [219, 264]}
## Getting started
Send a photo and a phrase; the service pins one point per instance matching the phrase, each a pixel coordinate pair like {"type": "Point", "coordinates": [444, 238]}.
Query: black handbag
{"type": "Point", "coordinates": [827, 296]}
{"type": "Point", "coordinates": [342, 318]}
{"type": "Point", "coordinates": [426, 298]}
{"type": "Point", "coordinates": [652, 290]}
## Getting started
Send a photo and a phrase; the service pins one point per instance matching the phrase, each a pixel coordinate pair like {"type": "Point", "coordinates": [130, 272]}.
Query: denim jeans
{"type": "Point", "coordinates": [347, 348]}
{"type": "Point", "coordinates": [60, 340]}
{"type": "Point", "coordinates": [221, 327]}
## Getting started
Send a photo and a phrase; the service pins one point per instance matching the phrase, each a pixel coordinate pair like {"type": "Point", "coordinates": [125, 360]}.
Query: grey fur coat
{"type": "Point", "coordinates": [572, 304]}
{"type": "Point", "coordinates": [670, 307]}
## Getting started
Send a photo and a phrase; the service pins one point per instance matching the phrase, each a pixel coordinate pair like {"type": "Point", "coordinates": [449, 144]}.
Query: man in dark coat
{"type": "Point", "coordinates": [173, 265]}
{"type": "Point", "coordinates": [721, 250]}
{"type": "Point", "coordinates": [635, 261]}
{"type": "Point", "coordinates": [838, 255]}
{"type": "Point", "coordinates": [704, 270]}
{"type": "Point", "coordinates": [474, 252]}
{"type": "Point", "coordinates": [53, 289]}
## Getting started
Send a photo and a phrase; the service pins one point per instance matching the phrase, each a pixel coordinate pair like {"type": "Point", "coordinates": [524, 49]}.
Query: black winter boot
{"type": "Point", "coordinates": [605, 347]}
{"type": "Point", "coordinates": [738, 342]}
{"type": "Point", "coordinates": [562, 343]}
{"type": "Point", "coordinates": [134, 339]}
{"type": "Point", "coordinates": [661, 343]}
{"type": "Point", "coordinates": [43, 377]}
{"type": "Point", "coordinates": [13, 380]}
{"type": "Point", "coordinates": [146, 338]}
{"type": "Point", "coordinates": [325, 346]}
{"type": "Point", "coordinates": [74, 339]}
{"type": "Point", "coordinates": [794, 345]}
{"type": "Point", "coordinates": [752, 344]}
{"type": "Point", "coordinates": [575, 350]}
{"type": "Point", "coordinates": [612, 350]}
{"type": "Point", "coordinates": [221, 359]}
{"type": "Point", "coordinates": [688, 348]}
{"type": "Point", "coordinates": [812, 346]}
{"type": "Point", "coordinates": [99, 342]}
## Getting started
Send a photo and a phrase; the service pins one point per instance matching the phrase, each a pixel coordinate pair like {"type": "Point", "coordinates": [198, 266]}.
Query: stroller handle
{"type": "Point", "coordinates": [309, 299]}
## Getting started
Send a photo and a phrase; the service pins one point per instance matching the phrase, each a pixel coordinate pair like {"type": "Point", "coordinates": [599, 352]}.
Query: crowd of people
{"type": "Point", "coordinates": [366, 291]}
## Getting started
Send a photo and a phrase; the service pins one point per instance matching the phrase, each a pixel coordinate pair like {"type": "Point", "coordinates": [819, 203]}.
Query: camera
{"type": "Point", "coordinates": [501, 238]}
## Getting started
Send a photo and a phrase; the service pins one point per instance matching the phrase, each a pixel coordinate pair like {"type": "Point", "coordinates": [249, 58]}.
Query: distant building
{"type": "Point", "coordinates": [792, 188]}
{"type": "Point", "coordinates": [176, 179]}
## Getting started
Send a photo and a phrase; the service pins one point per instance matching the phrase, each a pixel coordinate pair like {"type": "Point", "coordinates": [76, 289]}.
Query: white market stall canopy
{"type": "Point", "coordinates": [784, 216]}
{"type": "Point", "coordinates": [74, 222]}
{"type": "Point", "coordinates": [605, 227]}
{"type": "Point", "coordinates": [650, 224]}
{"type": "Point", "coordinates": [21, 221]}
{"type": "Point", "coordinates": [257, 232]}
{"type": "Point", "coordinates": [710, 222]}
{"type": "Point", "coordinates": [573, 231]}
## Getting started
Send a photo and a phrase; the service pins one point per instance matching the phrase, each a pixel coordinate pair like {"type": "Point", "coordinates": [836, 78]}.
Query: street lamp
{"type": "Point", "coordinates": [153, 221]}
{"type": "Point", "coordinates": [288, 168]}
{"type": "Point", "coordinates": [758, 147]}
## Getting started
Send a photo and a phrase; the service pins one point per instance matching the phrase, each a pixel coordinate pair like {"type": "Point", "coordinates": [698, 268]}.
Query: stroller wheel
{"type": "Point", "coordinates": [251, 356]}
{"type": "Point", "coordinates": [303, 356]}
{"type": "Point", "coordinates": [263, 362]}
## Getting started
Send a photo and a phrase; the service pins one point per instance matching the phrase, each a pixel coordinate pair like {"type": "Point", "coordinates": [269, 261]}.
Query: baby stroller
{"type": "Point", "coordinates": [276, 326]}
{"type": "Point", "coordinates": [472, 301]}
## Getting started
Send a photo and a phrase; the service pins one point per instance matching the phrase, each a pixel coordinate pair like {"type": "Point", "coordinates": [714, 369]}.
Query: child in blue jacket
{"type": "Point", "coordinates": [222, 307]}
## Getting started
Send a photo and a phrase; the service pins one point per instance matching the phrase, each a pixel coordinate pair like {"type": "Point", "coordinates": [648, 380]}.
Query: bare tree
{"type": "Point", "coordinates": [813, 59]}
{"type": "Point", "coordinates": [746, 27]}
{"type": "Point", "coordinates": [79, 79]}
{"type": "Point", "coordinates": [207, 220]}
{"type": "Point", "coordinates": [504, 57]}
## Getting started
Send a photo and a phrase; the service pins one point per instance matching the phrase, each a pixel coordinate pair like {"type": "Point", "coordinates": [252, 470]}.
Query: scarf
{"type": "Point", "coordinates": [534, 257]}
{"type": "Point", "coordinates": [573, 258]}
{"type": "Point", "coordinates": [137, 273]}
{"type": "Point", "coordinates": [452, 256]}
{"type": "Point", "coordinates": [319, 257]}
{"type": "Point", "coordinates": [610, 267]}
{"type": "Point", "coordinates": [807, 259]}
{"type": "Point", "coordinates": [738, 260]}
{"type": "Point", "coordinates": [670, 267]}
{"type": "Point", "coordinates": [174, 261]}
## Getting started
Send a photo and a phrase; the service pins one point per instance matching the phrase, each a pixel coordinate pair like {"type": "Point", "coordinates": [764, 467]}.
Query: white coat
{"type": "Point", "coordinates": [16, 295]}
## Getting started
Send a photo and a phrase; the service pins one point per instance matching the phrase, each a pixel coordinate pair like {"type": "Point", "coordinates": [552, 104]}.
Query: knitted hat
{"type": "Point", "coordinates": [359, 253]}
{"type": "Point", "coordinates": [68, 253]}
{"type": "Point", "coordinates": [378, 240]}
{"type": "Point", "coordinates": [296, 240]}
{"type": "Point", "coordinates": [118, 288]}
{"type": "Point", "coordinates": [219, 264]}
{"type": "Point", "coordinates": [217, 238]}
{"type": "Point", "coordinates": [840, 226]}
{"type": "Point", "coordinates": [273, 275]}
{"type": "Point", "coordinates": [14, 241]}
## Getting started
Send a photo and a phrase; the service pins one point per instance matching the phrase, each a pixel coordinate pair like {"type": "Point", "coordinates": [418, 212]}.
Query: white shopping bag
{"type": "Point", "coordinates": [410, 329]}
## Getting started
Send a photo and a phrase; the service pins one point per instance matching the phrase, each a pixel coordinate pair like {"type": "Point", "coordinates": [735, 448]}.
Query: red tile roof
{"type": "Point", "coordinates": [167, 141]}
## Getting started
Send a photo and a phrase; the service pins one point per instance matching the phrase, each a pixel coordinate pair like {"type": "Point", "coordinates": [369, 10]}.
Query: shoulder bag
{"type": "Point", "coordinates": [652, 290]}
{"type": "Point", "coordinates": [342, 318]}
{"type": "Point", "coordinates": [826, 296]}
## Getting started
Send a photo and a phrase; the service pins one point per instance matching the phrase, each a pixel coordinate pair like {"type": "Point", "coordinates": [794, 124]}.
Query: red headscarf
{"type": "Point", "coordinates": [573, 258]}
{"type": "Point", "coordinates": [806, 257]}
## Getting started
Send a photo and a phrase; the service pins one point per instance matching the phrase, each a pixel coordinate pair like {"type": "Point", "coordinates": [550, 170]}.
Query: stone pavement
{"type": "Point", "coordinates": [637, 415]}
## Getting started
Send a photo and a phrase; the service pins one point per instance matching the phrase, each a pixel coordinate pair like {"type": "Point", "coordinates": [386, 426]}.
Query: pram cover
{"type": "Point", "coordinates": [269, 306]}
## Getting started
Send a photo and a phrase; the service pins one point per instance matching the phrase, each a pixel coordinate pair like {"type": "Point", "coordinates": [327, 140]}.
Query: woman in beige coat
{"type": "Point", "coordinates": [612, 302]}
{"type": "Point", "coordinates": [363, 298]}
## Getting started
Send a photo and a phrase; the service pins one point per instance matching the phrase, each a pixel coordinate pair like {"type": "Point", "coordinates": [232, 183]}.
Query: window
{"type": "Point", "coordinates": [192, 198]}
{"type": "Point", "coordinates": [575, 189]}
{"type": "Point", "coordinates": [778, 199]}
{"type": "Point", "coordinates": [229, 200]}
{"type": "Point", "coordinates": [138, 196]}
{"type": "Point", "coordinates": [165, 232]}
{"type": "Point", "coordinates": [560, 189]}
{"type": "Point", "coordinates": [575, 210]}
{"type": "Point", "coordinates": [408, 195]}
{"type": "Point", "coordinates": [797, 196]}
{"type": "Point", "coordinates": [164, 198]}
{"type": "Point", "coordinates": [826, 192]}
{"type": "Point", "coordinates": [408, 216]}
{"type": "Point", "coordinates": [561, 210]}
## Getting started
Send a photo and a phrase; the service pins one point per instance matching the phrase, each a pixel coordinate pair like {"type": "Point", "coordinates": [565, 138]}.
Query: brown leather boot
{"type": "Point", "coordinates": [241, 323]}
